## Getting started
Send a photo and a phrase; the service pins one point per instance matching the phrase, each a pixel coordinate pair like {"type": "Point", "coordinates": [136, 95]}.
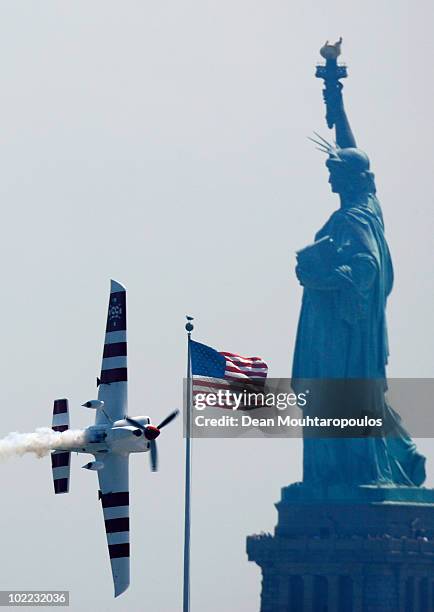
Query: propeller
{"type": "Point", "coordinates": [168, 419]}
{"type": "Point", "coordinates": [154, 455]}
{"type": "Point", "coordinates": [151, 433]}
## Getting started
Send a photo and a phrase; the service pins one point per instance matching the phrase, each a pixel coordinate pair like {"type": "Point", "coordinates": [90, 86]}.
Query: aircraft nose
{"type": "Point", "coordinates": [151, 432]}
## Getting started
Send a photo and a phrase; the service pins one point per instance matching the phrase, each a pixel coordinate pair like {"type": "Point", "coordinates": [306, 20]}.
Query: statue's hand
{"type": "Point", "coordinates": [344, 271]}
{"type": "Point", "coordinates": [332, 95]}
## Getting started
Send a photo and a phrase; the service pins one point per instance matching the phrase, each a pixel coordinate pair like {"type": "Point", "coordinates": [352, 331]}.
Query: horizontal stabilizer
{"type": "Point", "coordinates": [60, 460]}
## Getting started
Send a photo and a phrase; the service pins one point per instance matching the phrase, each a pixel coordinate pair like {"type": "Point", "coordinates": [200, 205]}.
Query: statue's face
{"type": "Point", "coordinates": [345, 167]}
{"type": "Point", "coordinates": [338, 178]}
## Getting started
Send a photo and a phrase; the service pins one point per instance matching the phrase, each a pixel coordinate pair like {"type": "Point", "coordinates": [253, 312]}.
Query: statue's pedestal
{"type": "Point", "coordinates": [360, 549]}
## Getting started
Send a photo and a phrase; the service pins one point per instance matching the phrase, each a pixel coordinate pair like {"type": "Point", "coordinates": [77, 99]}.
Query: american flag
{"type": "Point", "coordinates": [213, 371]}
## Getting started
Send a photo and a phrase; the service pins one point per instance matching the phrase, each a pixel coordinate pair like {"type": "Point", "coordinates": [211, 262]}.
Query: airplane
{"type": "Point", "coordinates": [113, 437]}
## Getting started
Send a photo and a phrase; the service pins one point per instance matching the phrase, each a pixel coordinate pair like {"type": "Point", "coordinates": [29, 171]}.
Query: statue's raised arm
{"type": "Point", "coordinates": [349, 167]}
{"type": "Point", "coordinates": [336, 116]}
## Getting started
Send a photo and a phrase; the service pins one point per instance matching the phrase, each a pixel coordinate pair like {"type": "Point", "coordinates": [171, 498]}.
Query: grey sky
{"type": "Point", "coordinates": [164, 145]}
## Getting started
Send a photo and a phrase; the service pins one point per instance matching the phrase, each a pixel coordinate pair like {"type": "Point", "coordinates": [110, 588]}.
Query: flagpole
{"type": "Point", "coordinates": [187, 510]}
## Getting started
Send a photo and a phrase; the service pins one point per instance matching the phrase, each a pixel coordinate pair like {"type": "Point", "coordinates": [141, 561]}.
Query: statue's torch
{"type": "Point", "coordinates": [331, 72]}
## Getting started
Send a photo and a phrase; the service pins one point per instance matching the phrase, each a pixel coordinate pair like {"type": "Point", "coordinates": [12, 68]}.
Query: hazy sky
{"type": "Point", "coordinates": [164, 144]}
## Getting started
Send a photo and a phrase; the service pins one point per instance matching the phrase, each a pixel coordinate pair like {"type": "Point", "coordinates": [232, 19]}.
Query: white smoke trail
{"type": "Point", "coordinates": [40, 442]}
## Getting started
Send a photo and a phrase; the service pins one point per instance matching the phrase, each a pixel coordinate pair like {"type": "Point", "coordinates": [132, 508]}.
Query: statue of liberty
{"type": "Point", "coordinates": [347, 276]}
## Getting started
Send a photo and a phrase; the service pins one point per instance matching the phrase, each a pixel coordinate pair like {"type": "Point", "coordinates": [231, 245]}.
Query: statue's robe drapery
{"type": "Point", "coordinates": [342, 334]}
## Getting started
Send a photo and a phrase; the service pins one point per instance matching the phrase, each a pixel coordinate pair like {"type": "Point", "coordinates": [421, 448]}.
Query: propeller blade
{"type": "Point", "coordinates": [154, 455]}
{"type": "Point", "coordinates": [168, 419]}
{"type": "Point", "coordinates": [135, 423]}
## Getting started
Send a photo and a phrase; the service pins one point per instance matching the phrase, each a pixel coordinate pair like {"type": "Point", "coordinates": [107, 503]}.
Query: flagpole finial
{"type": "Point", "coordinates": [189, 325]}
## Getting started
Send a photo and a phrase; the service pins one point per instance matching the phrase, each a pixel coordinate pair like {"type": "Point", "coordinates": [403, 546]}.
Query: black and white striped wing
{"type": "Point", "coordinates": [113, 385]}
{"type": "Point", "coordinates": [114, 496]}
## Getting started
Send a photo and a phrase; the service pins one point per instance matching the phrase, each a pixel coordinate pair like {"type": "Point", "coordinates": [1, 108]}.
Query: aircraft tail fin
{"type": "Point", "coordinates": [61, 460]}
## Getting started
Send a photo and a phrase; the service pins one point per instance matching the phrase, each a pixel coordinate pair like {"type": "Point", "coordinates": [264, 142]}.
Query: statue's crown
{"type": "Point", "coordinates": [355, 159]}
